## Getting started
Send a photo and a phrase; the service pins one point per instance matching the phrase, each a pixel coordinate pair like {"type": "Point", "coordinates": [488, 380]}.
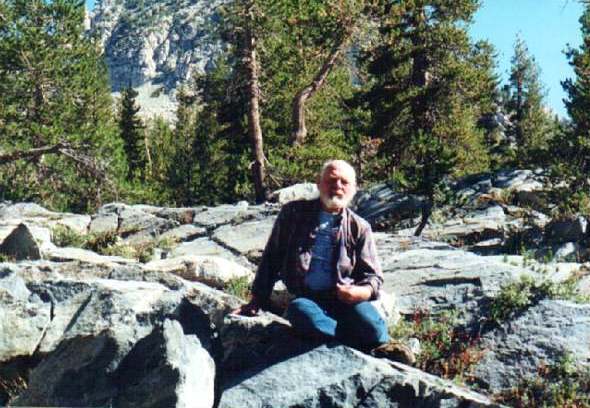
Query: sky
{"type": "Point", "coordinates": [546, 26]}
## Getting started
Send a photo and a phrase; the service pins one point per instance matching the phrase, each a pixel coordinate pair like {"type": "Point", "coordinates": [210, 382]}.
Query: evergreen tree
{"type": "Point", "coordinates": [428, 87]}
{"type": "Point", "coordinates": [54, 89]}
{"type": "Point", "coordinates": [531, 125]}
{"type": "Point", "coordinates": [572, 147]}
{"type": "Point", "coordinates": [181, 179]}
{"type": "Point", "coordinates": [132, 133]}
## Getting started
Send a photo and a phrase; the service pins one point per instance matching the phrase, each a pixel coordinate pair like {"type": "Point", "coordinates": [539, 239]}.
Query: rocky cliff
{"type": "Point", "coordinates": [129, 307]}
{"type": "Point", "coordinates": [155, 45]}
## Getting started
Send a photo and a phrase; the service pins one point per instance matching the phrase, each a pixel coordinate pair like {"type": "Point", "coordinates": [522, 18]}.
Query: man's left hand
{"type": "Point", "coordinates": [352, 294]}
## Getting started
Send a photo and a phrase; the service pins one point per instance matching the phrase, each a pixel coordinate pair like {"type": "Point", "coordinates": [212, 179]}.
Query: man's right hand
{"type": "Point", "coordinates": [249, 309]}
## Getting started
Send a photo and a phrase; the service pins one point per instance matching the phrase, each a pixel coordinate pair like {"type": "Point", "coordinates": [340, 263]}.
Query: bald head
{"type": "Point", "coordinates": [339, 164]}
{"type": "Point", "coordinates": [337, 185]}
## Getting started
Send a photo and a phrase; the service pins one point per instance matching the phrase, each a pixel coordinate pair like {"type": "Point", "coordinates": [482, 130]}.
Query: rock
{"type": "Point", "coordinates": [224, 214]}
{"type": "Point", "coordinates": [21, 244]}
{"type": "Point", "coordinates": [138, 227]}
{"type": "Point", "coordinates": [104, 224]}
{"type": "Point", "coordinates": [214, 303]}
{"type": "Point", "coordinates": [75, 222]}
{"type": "Point", "coordinates": [207, 247]}
{"type": "Point", "coordinates": [567, 230]}
{"type": "Point", "coordinates": [24, 210]}
{"type": "Point", "coordinates": [569, 251]}
{"type": "Point", "coordinates": [158, 56]}
{"type": "Point", "coordinates": [85, 256]}
{"type": "Point", "coordinates": [443, 279]}
{"type": "Point", "coordinates": [97, 325]}
{"type": "Point", "coordinates": [22, 325]}
{"type": "Point", "coordinates": [260, 340]}
{"type": "Point", "coordinates": [382, 206]}
{"type": "Point", "coordinates": [338, 376]}
{"type": "Point", "coordinates": [542, 335]}
{"type": "Point", "coordinates": [248, 238]}
{"type": "Point", "coordinates": [166, 369]}
{"type": "Point", "coordinates": [212, 270]}
{"type": "Point", "coordinates": [78, 373]}
{"type": "Point", "coordinates": [302, 191]}
{"type": "Point", "coordinates": [180, 215]}
{"type": "Point", "coordinates": [185, 232]}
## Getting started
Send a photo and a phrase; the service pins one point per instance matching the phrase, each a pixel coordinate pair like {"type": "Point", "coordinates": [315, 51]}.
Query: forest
{"type": "Point", "coordinates": [396, 87]}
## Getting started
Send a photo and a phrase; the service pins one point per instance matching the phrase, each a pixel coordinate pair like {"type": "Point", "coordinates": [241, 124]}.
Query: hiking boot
{"type": "Point", "coordinates": [395, 351]}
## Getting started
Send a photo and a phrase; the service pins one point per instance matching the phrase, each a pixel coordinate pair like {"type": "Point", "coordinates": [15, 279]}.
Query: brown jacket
{"type": "Point", "coordinates": [287, 255]}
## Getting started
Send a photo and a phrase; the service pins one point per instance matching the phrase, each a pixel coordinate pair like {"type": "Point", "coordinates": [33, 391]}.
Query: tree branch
{"type": "Point", "coordinates": [298, 108]}
{"type": "Point", "coordinates": [32, 153]}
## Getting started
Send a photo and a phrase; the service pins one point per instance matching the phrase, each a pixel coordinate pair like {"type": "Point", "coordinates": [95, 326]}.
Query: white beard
{"type": "Point", "coordinates": [336, 202]}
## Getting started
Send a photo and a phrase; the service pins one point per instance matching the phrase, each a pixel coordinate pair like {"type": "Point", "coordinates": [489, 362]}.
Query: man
{"type": "Point", "coordinates": [326, 256]}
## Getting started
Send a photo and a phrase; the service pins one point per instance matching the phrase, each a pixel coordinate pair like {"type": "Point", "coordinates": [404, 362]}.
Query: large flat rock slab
{"type": "Point", "coordinates": [542, 335]}
{"type": "Point", "coordinates": [427, 275]}
{"type": "Point", "coordinates": [207, 247]}
{"type": "Point", "coordinates": [338, 376]}
{"type": "Point", "coordinates": [248, 238]}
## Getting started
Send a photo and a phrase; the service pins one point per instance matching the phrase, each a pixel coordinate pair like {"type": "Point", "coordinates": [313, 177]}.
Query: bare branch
{"type": "Point", "coordinates": [32, 153]}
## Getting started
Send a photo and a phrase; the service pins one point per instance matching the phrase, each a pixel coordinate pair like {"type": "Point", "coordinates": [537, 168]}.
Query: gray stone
{"type": "Point", "coordinates": [567, 252]}
{"type": "Point", "coordinates": [180, 215]}
{"type": "Point", "coordinates": [302, 191]}
{"type": "Point", "coordinates": [337, 376]}
{"type": "Point", "coordinates": [166, 369]}
{"type": "Point", "coordinates": [443, 279]}
{"type": "Point", "coordinates": [224, 214]}
{"type": "Point", "coordinates": [248, 238]}
{"type": "Point", "coordinates": [21, 244]}
{"type": "Point", "coordinates": [207, 247]}
{"type": "Point", "coordinates": [104, 224]}
{"type": "Point", "coordinates": [263, 339]}
{"type": "Point", "coordinates": [138, 227]}
{"type": "Point", "coordinates": [567, 230]}
{"type": "Point", "coordinates": [381, 206]}
{"type": "Point", "coordinates": [22, 325]}
{"type": "Point", "coordinates": [157, 57]}
{"type": "Point", "coordinates": [185, 232]}
{"type": "Point", "coordinates": [68, 254]}
{"type": "Point", "coordinates": [542, 335]}
{"type": "Point", "coordinates": [78, 373]}
{"type": "Point", "coordinates": [24, 210]}
{"type": "Point", "coordinates": [211, 270]}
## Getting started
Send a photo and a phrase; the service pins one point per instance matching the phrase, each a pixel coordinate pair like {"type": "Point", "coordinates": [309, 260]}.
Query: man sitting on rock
{"type": "Point", "coordinates": [326, 256]}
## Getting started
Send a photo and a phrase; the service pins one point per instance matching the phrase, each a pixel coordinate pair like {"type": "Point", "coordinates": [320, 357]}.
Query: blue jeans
{"type": "Point", "coordinates": [359, 325]}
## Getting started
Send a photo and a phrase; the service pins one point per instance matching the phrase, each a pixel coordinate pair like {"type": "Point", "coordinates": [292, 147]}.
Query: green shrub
{"type": "Point", "coordinates": [7, 258]}
{"type": "Point", "coordinates": [517, 296]}
{"type": "Point", "coordinates": [447, 350]}
{"type": "Point", "coordinates": [563, 384]}
{"type": "Point", "coordinates": [239, 287]}
{"type": "Point", "coordinates": [64, 236]}
{"type": "Point", "coordinates": [100, 243]}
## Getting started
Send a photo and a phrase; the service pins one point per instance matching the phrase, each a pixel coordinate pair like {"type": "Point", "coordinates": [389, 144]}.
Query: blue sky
{"type": "Point", "coordinates": [547, 26]}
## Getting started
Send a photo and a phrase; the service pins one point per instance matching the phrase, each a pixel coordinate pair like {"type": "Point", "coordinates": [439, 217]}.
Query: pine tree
{"type": "Point", "coordinates": [572, 148]}
{"type": "Point", "coordinates": [54, 89]}
{"type": "Point", "coordinates": [428, 87]}
{"type": "Point", "coordinates": [531, 125]}
{"type": "Point", "coordinates": [132, 133]}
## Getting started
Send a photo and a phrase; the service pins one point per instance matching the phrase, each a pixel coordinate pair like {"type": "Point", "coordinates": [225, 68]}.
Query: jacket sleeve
{"type": "Point", "coordinates": [368, 268]}
{"type": "Point", "coordinates": [273, 256]}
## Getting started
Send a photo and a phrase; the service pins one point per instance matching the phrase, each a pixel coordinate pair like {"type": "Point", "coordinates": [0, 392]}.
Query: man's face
{"type": "Point", "coordinates": [337, 187]}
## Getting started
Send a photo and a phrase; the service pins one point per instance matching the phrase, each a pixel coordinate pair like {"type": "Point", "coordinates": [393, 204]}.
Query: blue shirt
{"type": "Point", "coordinates": [321, 274]}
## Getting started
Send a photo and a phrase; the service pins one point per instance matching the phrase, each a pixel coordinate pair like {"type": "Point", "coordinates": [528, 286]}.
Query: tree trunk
{"type": "Point", "coordinates": [298, 108]}
{"type": "Point", "coordinates": [426, 211]}
{"type": "Point", "coordinates": [254, 129]}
